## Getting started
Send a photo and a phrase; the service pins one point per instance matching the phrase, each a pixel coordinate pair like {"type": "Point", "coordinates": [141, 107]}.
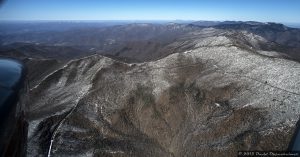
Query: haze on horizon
{"type": "Point", "coordinates": [215, 10]}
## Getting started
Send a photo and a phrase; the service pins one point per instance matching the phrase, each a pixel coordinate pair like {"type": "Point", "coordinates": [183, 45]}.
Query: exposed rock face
{"type": "Point", "coordinates": [212, 100]}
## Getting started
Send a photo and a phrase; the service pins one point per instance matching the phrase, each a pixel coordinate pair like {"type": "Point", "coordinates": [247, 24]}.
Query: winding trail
{"type": "Point", "coordinates": [60, 124]}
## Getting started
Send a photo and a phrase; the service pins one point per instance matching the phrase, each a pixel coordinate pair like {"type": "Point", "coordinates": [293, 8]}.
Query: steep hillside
{"type": "Point", "coordinates": [212, 99]}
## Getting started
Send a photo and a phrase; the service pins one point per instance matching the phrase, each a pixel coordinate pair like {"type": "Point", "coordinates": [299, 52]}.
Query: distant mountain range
{"type": "Point", "coordinates": [141, 41]}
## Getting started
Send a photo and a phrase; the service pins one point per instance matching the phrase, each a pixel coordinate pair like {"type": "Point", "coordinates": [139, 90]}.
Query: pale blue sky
{"type": "Point", "coordinates": [244, 10]}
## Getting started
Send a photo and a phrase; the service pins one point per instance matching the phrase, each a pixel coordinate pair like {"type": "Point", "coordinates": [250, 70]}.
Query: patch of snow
{"type": "Point", "coordinates": [32, 127]}
{"type": "Point", "coordinates": [186, 52]}
{"type": "Point", "coordinates": [269, 53]}
{"type": "Point", "coordinates": [246, 105]}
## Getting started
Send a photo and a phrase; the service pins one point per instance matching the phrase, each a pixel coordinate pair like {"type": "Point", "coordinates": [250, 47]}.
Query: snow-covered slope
{"type": "Point", "coordinates": [214, 99]}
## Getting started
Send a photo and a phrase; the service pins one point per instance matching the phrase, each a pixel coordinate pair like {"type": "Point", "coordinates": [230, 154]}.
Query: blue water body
{"type": "Point", "coordinates": [4, 95]}
{"type": "Point", "coordinates": [11, 81]}
{"type": "Point", "coordinates": [10, 73]}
